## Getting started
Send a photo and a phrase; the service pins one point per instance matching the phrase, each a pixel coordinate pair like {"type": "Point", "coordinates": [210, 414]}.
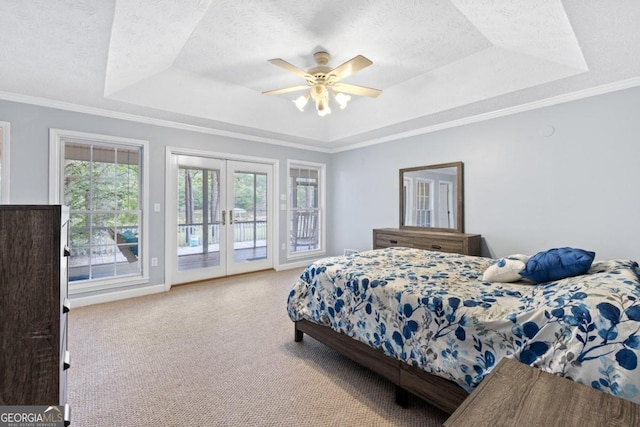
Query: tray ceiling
{"type": "Point", "coordinates": [204, 62]}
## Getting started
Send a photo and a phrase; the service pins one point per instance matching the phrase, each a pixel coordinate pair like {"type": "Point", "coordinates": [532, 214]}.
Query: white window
{"type": "Point", "coordinates": [306, 208]}
{"type": "Point", "coordinates": [424, 202]}
{"type": "Point", "coordinates": [102, 182]}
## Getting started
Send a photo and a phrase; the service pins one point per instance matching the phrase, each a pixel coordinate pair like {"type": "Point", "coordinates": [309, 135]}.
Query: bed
{"type": "Point", "coordinates": [429, 323]}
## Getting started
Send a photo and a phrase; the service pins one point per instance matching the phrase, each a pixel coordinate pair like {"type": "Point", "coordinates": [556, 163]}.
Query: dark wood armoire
{"type": "Point", "coordinates": [33, 305]}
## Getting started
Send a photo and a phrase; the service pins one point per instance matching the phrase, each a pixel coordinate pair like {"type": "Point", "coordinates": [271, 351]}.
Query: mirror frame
{"type": "Point", "coordinates": [459, 197]}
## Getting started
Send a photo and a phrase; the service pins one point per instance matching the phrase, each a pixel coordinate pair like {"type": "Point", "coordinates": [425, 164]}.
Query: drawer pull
{"type": "Point", "coordinates": [67, 414]}
{"type": "Point", "coordinates": [66, 364]}
{"type": "Point", "coordinates": [67, 251]}
{"type": "Point", "coordinates": [66, 305]}
{"type": "Point", "coordinates": [395, 242]}
{"type": "Point", "coordinates": [436, 247]}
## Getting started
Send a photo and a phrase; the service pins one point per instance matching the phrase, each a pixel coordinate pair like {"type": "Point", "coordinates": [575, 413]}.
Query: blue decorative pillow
{"type": "Point", "coordinates": [556, 264]}
{"type": "Point", "coordinates": [129, 237]}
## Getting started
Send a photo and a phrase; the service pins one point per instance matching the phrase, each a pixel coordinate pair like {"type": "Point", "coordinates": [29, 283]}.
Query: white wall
{"type": "Point", "coordinates": [524, 192]}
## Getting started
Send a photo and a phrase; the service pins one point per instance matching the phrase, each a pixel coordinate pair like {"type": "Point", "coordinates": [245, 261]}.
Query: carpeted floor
{"type": "Point", "coordinates": [219, 353]}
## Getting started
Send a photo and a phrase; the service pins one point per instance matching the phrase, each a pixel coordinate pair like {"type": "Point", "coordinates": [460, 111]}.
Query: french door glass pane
{"type": "Point", "coordinates": [198, 218]}
{"type": "Point", "coordinates": [249, 216]}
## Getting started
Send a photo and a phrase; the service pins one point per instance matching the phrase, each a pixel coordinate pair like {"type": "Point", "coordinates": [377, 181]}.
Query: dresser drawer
{"type": "Point", "coordinates": [385, 240]}
{"type": "Point", "coordinates": [442, 245]}
{"type": "Point", "coordinates": [462, 243]}
{"type": "Point", "coordinates": [64, 386]}
{"type": "Point", "coordinates": [63, 335]}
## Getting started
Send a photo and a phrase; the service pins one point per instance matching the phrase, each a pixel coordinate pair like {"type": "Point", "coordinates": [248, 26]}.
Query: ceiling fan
{"type": "Point", "coordinates": [323, 80]}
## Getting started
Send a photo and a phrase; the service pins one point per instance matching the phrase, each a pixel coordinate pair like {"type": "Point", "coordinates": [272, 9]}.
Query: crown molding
{"type": "Point", "coordinates": [77, 108]}
{"type": "Point", "coordinates": [560, 99]}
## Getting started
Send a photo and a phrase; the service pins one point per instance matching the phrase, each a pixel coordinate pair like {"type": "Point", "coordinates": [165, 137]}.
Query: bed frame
{"type": "Point", "coordinates": [439, 392]}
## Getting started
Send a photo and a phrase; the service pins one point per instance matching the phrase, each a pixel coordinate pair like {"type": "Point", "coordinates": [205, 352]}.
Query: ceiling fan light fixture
{"type": "Point", "coordinates": [323, 79]}
{"type": "Point", "coordinates": [322, 105]}
{"type": "Point", "coordinates": [342, 99]}
{"type": "Point", "coordinates": [301, 101]}
{"type": "Point", "coordinates": [319, 91]}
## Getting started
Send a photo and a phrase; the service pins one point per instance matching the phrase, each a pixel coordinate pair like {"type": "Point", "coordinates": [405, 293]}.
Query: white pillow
{"type": "Point", "coordinates": [506, 269]}
{"type": "Point", "coordinates": [522, 257]}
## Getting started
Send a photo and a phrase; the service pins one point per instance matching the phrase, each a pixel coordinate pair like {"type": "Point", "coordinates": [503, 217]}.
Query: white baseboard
{"type": "Point", "coordinates": [116, 295]}
{"type": "Point", "coordinates": [81, 301]}
{"type": "Point", "coordinates": [291, 265]}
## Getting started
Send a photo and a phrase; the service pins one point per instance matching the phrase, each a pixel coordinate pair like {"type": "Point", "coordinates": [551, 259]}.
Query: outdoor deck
{"type": "Point", "coordinates": [212, 259]}
{"type": "Point", "coordinates": [188, 261]}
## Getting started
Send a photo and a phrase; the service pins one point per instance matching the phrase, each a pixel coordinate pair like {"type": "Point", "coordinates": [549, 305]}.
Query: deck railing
{"type": "Point", "coordinates": [102, 243]}
{"type": "Point", "coordinates": [250, 233]}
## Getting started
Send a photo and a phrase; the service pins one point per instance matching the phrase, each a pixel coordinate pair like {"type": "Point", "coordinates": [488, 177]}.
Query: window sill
{"type": "Point", "coordinates": [306, 254]}
{"type": "Point", "coordinates": [105, 284]}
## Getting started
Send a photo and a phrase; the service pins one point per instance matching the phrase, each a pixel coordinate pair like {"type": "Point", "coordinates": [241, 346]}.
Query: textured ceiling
{"type": "Point", "coordinates": [204, 62]}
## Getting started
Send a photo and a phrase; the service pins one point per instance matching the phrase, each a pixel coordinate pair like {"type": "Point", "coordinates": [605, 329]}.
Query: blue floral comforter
{"type": "Point", "coordinates": [432, 310]}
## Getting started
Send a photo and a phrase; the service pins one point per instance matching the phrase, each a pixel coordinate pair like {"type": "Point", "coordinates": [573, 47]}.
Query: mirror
{"type": "Point", "coordinates": [431, 197]}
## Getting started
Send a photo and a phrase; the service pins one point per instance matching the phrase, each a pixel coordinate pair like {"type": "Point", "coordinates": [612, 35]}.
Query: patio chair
{"type": "Point", "coordinates": [304, 230]}
{"type": "Point", "coordinates": [124, 241]}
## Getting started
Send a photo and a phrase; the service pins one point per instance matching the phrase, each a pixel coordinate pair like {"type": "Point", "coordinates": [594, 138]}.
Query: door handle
{"type": "Point", "coordinates": [224, 217]}
{"type": "Point", "coordinates": [230, 217]}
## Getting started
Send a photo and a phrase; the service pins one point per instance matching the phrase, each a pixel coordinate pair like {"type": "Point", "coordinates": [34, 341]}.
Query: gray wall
{"type": "Point", "coordinates": [29, 161]}
{"type": "Point", "coordinates": [523, 192]}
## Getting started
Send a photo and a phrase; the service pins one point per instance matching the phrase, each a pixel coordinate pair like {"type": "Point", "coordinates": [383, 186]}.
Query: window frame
{"type": "Point", "coordinates": [57, 137]}
{"type": "Point", "coordinates": [419, 201]}
{"type": "Point", "coordinates": [321, 168]}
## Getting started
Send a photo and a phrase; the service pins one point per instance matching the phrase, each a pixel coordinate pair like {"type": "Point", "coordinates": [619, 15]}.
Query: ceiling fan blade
{"type": "Point", "coordinates": [356, 90]}
{"type": "Point", "coordinates": [291, 68]}
{"type": "Point", "coordinates": [356, 63]}
{"type": "Point", "coordinates": [285, 90]}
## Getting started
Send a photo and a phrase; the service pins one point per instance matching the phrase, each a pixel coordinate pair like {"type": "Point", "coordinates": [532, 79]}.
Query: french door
{"type": "Point", "coordinates": [222, 222]}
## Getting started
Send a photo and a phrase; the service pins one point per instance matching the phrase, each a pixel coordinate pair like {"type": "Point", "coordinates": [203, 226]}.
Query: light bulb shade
{"type": "Point", "coordinates": [324, 112]}
{"type": "Point", "coordinates": [301, 101]}
{"type": "Point", "coordinates": [320, 95]}
{"type": "Point", "coordinates": [342, 99]}
{"type": "Point", "coordinates": [323, 106]}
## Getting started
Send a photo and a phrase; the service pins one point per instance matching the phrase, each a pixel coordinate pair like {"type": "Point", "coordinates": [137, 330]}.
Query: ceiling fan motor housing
{"type": "Point", "coordinates": [320, 72]}
{"type": "Point", "coordinates": [321, 58]}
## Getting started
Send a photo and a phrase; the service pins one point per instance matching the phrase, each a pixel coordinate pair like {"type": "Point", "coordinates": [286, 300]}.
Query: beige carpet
{"type": "Point", "coordinates": [219, 353]}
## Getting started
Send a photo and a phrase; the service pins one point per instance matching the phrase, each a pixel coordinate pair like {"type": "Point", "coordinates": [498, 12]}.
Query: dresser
{"type": "Point", "coordinates": [462, 243]}
{"type": "Point", "coordinates": [515, 394]}
{"type": "Point", "coordinates": [33, 305]}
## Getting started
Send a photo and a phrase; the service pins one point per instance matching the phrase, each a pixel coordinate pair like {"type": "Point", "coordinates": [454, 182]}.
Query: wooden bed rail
{"type": "Point", "coordinates": [439, 392]}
